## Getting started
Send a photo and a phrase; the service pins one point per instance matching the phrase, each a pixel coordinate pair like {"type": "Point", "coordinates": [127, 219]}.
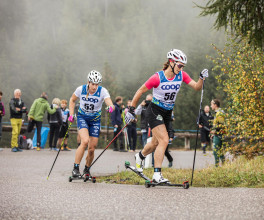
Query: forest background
{"type": "Point", "coordinates": [52, 45]}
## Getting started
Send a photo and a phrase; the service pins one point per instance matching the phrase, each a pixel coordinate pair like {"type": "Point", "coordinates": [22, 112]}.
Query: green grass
{"type": "Point", "coordinates": [239, 173]}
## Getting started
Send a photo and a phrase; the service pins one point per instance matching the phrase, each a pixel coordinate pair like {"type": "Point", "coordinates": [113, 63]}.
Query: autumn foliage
{"type": "Point", "coordinates": [242, 78]}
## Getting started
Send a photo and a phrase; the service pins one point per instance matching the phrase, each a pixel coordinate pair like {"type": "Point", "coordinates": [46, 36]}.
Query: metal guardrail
{"type": "Point", "coordinates": [186, 134]}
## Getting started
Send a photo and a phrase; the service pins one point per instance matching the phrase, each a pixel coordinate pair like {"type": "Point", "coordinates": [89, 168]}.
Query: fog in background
{"type": "Point", "coordinates": [52, 45]}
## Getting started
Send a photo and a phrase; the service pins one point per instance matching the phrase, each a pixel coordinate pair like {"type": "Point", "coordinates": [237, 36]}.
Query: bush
{"type": "Point", "coordinates": [242, 78]}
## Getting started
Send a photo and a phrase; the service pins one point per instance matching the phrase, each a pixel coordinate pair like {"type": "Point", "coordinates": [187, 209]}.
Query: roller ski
{"type": "Point", "coordinates": [159, 180]}
{"type": "Point", "coordinates": [86, 176]}
{"type": "Point", "coordinates": [134, 169]}
{"type": "Point", "coordinates": [152, 183]}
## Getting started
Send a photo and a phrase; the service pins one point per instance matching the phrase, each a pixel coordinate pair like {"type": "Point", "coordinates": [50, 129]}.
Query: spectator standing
{"type": "Point", "coordinates": [217, 132]}
{"type": "Point", "coordinates": [36, 114]}
{"type": "Point", "coordinates": [141, 110]}
{"type": "Point", "coordinates": [117, 122]}
{"type": "Point", "coordinates": [131, 130]}
{"type": "Point", "coordinates": [205, 126]}
{"type": "Point", "coordinates": [65, 113]}
{"type": "Point", "coordinates": [2, 113]}
{"type": "Point", "coordinates": [55, 122]}
{"type": "Point", "coordinates": [17, 108]}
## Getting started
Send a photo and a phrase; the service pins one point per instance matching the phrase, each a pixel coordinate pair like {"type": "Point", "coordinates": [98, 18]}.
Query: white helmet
{"type": "Point", "coordinates": [94, 77]}
{"type": "Point", "coordinates": [177, 55]}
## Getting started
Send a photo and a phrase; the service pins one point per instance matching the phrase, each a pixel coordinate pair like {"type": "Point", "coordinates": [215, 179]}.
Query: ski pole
{"type": "Point", "coordinates": [197, 131]}
{"type": "Point", "coordinates": [108, 145]}
{"type": "Point", "coordinates": [59, 149]}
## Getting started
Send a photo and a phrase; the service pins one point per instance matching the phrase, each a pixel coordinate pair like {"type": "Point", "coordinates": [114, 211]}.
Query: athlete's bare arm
{"type": "Point", "coordinates": [196, 85]}
{"type": "Point", "coordinates": [109, 102]}
{"type": "Point", "coordinates": [138, 94]}
{"type": "Point", "coordinates": [72, 103]}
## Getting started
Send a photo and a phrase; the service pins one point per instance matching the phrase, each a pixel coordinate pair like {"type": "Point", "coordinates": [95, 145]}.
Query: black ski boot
{"type": "Point", "coordinates": [76, 172]}
{"type": "Point", "coordinates": [86, 171]}
{"type": "Point", "coordinates": [87, 175]}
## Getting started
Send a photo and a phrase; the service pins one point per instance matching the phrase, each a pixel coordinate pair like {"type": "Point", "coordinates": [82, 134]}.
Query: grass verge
{"type": "Point", "coordinates": [239, 173]}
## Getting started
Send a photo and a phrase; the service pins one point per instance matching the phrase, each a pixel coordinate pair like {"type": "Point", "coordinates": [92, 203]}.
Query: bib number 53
{"type": "Point", "coordinates": [89, 107]}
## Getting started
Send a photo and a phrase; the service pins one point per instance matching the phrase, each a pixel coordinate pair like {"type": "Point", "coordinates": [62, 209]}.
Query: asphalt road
{"type": "Point", "coordinates": [25, 193]}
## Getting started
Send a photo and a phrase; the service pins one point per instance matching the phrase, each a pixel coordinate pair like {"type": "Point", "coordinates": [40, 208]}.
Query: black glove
{"type": "Point", "coordinates": [131, 110]}
{"type": "Point", "coordinates": [130, 115]}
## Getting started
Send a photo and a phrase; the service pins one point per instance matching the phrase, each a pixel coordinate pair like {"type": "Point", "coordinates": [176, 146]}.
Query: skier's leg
{"type": "Point", "coordinates": [91, 148]}
{"type": "Point", "coordinates": [149, 148]}
{"type": "Point", "coordinates": [160, 133]}
{"type": "Point", "coordinates": [84, 142]}
{"type": "Point", "coordinates": [80, 151]}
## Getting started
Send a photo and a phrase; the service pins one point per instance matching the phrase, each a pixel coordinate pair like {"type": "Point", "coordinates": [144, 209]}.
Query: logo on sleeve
{"type": "Point", "coordinates": [159, 117]}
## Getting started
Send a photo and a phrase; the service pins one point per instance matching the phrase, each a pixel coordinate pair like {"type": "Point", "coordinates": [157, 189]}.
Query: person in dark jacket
{"type": "Point", "coordinates": [131, 130]}
{"type": "Point", "coordinates": [55, 121]}
{"type": "Point", "coordinates": [117, 123]}
{"type": "Point", "coordinates": [205, 126]}
{"type": "Point", "coordinates": [141, 110]}
{"type": "Point", "coordinates": [2, 113]}
{"type": "Point", "coordinates": [17, 108]}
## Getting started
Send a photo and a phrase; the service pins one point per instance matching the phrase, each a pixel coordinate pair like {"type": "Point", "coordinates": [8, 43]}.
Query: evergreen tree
{"type": "Point", "coordinates": [243, 17]}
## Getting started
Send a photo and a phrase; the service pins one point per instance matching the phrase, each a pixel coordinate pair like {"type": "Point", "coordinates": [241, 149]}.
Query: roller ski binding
{"type": "Point", "coordinates": [87, 176]}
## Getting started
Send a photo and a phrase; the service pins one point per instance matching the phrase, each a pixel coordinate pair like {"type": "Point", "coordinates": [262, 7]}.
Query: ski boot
{"type": "Point", "coordinates": [75, 174]}
{"type": "Point", "coordinates": [139, 163]}
{"type": "Point", "coordinates": [158, 178]}
{"type": "Point", "coordinates": [87, 175]}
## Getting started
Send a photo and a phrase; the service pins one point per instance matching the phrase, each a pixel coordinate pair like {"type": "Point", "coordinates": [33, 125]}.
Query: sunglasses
{"type": "Point", "coordinates": [179, 65]}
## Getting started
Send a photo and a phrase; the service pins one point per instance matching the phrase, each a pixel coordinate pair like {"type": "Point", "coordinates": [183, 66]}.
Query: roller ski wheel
{"type": "Point", "coordinates": [71, 178]}
{"type": "Point", "coordinates": [86, 177]}
{"type": "Point", "coordinates": [186, 185]}
{"type": "Point", "coordinates": [94, 179]}
{"type": "Point", "coordinates": [127, 164]}
{"type": "Point", "coordinates": [147, 184]}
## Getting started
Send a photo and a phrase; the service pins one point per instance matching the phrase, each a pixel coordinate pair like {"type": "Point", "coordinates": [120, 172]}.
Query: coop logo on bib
{"type": "Point", "coordinates": [90, 99]}
{"type": "Point", "coordinates": [173, 87]}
